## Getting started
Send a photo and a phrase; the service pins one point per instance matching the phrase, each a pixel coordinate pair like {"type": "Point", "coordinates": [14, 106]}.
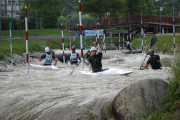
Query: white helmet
{"type": "Point", "coordinates": [92, 49]}
{"type": "Point", "coordinates": [47, 49]}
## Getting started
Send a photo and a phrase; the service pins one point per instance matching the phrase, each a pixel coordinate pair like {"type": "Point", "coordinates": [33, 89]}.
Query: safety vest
{"type": "Point", "coordinates": [48, 60]}
{"type": "Point", "coordinates": [73, 57]}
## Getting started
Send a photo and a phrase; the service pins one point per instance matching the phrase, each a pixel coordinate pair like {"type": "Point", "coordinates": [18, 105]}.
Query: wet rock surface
{"type": "Point", "coordinates": [139, 98]}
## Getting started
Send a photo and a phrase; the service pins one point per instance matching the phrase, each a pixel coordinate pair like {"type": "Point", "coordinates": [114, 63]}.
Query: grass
{"type": "Point", "coordinates": [40, 32]}
{"type": "Point", "coordinates": [164, 43]}
{"type": "Point", "coordinates": [44, 32]}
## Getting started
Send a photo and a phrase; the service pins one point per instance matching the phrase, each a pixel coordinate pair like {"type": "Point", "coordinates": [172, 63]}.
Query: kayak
{"type": "Point", "coordinates": [47, 66]}
{"type": "Point", "coordinates": [140, 68]}
{"type": "Point", "coordinates": [107, 71]}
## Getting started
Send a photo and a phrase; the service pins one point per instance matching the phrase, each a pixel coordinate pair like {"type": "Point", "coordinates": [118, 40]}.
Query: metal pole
{"type": "Point", "coordinates": [20, 19]}
{"type": "Point", "coordinates": [80, 24]}
{"type": "Point", "coordinates": [70, 42]}
{"type": "Point", "coordinates": [74, 38]}
{"type": "Point", "coordinates": [130, 42]}
{"type": "Point", "coordinates": [11, 13]}
{"type": "Point", "coordinates": [98, 33]}
{"type": "Point", "coordinates": [26, 25]}
{"type": "Point", "coordinates": [11, 43]}
{"type": "Point", "coordinates": [160, 21]}
{"type": "Point", "coordinates": [36, 25]}
{"type": "Point", "coordinates": [174, 27]}
{"type": "Point", "coordinates": [119, 40]}
{"type": "Point", "coordinates": [142, 32]}
{"type": "Point", "coordinates": [0, 22]}
{"type": "Point", "coordinates": [111, 39]}
{"type": "Point", "coordinates": [123, 42]}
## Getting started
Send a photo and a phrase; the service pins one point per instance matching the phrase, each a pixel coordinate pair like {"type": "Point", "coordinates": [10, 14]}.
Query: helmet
{"type": "Point", "coordinates": [47, 49]}
{"type": "Point", "coordinates": [93, 49]}
{"type": "Point", "coordinates": [73, 48]}
{"type": "Point", "coordinates": [151, 51]}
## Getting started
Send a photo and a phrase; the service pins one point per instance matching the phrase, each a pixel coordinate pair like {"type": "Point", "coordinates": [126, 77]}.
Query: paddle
{"type": "Point", "coordinates": [80, 61]}
{"type": "Point", "coordinates": [153, 41]}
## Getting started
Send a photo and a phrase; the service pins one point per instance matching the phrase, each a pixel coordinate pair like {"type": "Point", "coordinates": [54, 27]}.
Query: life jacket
{"type": "Point", "coordinates": [73, 57]}
{"type": "Point", "coordinates": [48, 60]}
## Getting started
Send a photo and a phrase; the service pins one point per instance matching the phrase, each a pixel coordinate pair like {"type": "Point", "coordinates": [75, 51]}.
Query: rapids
{"type": "Point", "coordinates": [47, 94]}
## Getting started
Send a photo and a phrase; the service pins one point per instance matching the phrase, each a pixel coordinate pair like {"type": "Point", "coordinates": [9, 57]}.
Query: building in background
{"type": "Point", "coordinates": [9, 7]}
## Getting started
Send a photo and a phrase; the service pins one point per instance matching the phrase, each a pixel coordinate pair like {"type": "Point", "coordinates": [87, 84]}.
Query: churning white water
{"type": "Point", "coordinates": [47, 94]}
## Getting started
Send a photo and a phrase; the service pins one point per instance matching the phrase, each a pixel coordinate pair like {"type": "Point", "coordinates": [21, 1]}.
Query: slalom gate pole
{"type": "Point", "coordinates": [123, 43]}
{"type": "Point", "coordinates": [174, 30]}
{"type": "Point", "coordinates": [74, 38]}
{"type": "Point", "coordinates": [145, 39]}
{"type": "Point", "coordinates": [80, 24]}
{"type": "Point", "coordinates": [63, 43]}
{"type": "Point", "coordinates": [70, 42]}
{"type": "Point", "coordinates": [11, 43]}
{"type": "Point", "coordinates": [26, 25]}
{"type": "Point", "coordinates": [130, 42]}
{"type": "Point", "coordinates": [85, 41]}
{"type": "Point", "coordinates": [96, 38]}
{"type": "Point", "coordinates": [90, 41]}
{"type": "Point", "coordinates": [119, 39]}
{"type": "Point", "coordinates": [142, 36]}
{"type": "Point", "coordinates": [104, 46]}
{"type": "Point", "coordinates": [98, 32]}
{"type": "Point", "coordinates": [111, 39]}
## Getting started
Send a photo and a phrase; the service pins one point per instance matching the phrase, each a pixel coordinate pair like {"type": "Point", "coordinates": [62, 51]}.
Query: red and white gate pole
{"type": "Point", "coordinates": [80, 24]}
{"type": "Point", "coordinates": [26, 25]}
{"type": "Point", "coordinates": [63, 43]}
{"type": "Point", "coordinates": [98, 32]}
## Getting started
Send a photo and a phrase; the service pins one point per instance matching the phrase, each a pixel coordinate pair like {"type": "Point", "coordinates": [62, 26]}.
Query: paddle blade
{"type": "Point", "coordinates": [153, 41]}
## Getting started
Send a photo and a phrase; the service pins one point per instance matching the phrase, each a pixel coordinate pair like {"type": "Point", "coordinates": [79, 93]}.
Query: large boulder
{"type": "Point", "coordinates": [60, 57]}
{"type": "Point", "coordinates": [139, 99]}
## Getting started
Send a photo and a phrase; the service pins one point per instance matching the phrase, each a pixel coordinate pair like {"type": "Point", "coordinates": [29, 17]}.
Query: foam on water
{"type": "Point", "coordinates": [54, 94]}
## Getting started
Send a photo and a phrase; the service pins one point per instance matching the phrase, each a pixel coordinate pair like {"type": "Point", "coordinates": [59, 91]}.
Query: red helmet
{"type": "Point", "coordinates": [73, 48]}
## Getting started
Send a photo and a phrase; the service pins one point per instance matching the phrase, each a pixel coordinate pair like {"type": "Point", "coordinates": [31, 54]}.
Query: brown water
{"type": "Point", "coordinates": [47, 94]}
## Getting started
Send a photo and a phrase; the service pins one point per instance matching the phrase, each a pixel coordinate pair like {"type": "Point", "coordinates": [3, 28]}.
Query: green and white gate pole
{"type": "Point", "coordinates": [104, 44]}
{"type": "Point", "coordinates": [119, 39]}
{"type": "Point", "coordinates": [11, 43]}
{"type": "Point", "coordinates": [142, 36]}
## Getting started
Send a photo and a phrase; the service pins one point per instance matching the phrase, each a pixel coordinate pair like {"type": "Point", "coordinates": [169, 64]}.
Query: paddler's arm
{"type": "Point", "coordinates": [100, 50]}
{"type": "Point", "coordinates": [55, 60]}
{"type": "Point", "coordinates": [145, 66]}
{"type": "Point", "coordinates": [87, 63]}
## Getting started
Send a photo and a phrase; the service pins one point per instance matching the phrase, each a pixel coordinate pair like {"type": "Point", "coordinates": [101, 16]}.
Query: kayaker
{"type": "Point", "coordinates": [48, 58]}
{"type": "Point", "coordinates": [154, 60]}
{"type": "Point", "coordinates": [73, 56]}
{"type": "Point", "coordinates": [95, 59]}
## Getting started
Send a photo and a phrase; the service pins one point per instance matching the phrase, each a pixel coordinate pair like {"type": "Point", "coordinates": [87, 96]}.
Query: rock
{"type": "Point", "coordinates": [176, 115]}
{"type": "Point", "coordinates": [133, 52]}
{"type": "Point", "coordinates": [139, 98]}
{"type": "Point", "coordinates": [60, 57]}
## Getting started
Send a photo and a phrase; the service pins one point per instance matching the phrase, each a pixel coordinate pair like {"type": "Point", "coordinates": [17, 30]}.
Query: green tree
{"type": "Point", "coordinates": [101, 7]}
{"type": "Point", "coordinates": [44, 9]}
